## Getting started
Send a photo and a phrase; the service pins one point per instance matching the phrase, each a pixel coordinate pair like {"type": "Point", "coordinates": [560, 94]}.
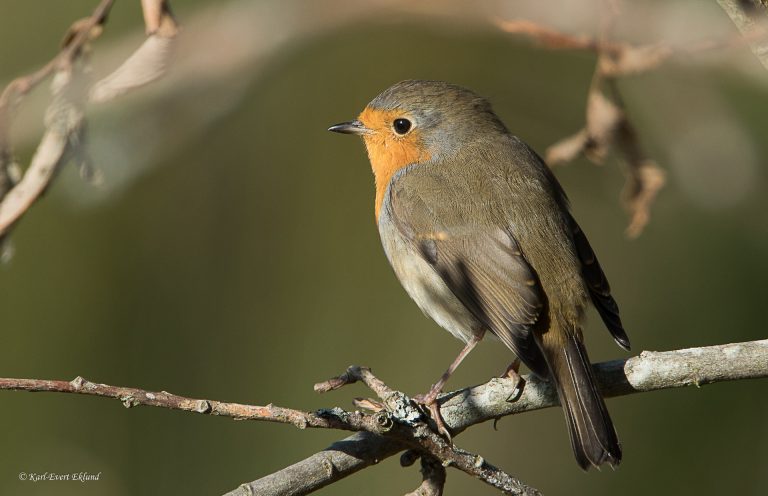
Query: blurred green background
{"type": "Point", "coordinates": [241, 262]}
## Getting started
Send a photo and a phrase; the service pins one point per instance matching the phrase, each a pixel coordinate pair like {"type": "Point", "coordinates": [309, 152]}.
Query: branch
{"type": "Point", "coordinates": [749, 16]}
{"type": "Point", "coordinates": [433, 474]}
{"type": "Point", "coordinates": [624, 58]}
{"type": "Point", "coordinates": [131, 397]}
{"type": "Point", "coordinates": [65, 136]}
{"type": "Point", "coordinates": [424, 438]}
{"type": "Point", "coordinates": [77, 36]}
{"type": "Point", "coordinates": [380, 437]}
{"type": "Point", "coordinates": [64, 123]}
{"type": "Point", "coordinates": [607, 124]}
{"type": "Point", "coordinates": [406, 429]}
{"type": "Point", "coordinates": [650, 371]}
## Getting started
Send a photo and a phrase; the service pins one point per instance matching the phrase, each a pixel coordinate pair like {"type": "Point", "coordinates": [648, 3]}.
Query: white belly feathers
{"type": "Point", "coordinates": [423, 284]}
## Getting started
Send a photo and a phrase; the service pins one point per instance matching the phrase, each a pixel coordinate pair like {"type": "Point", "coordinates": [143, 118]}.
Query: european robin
{"type": "Point", "coordinates": [479, 232]}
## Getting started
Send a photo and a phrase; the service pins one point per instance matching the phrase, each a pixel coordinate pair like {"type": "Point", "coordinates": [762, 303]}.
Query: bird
{"type": "Point", "coordinates": [480, 234]}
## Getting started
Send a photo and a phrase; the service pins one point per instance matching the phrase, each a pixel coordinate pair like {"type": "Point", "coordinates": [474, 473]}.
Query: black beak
{"type": "Point", "coordinates": [351, 127]}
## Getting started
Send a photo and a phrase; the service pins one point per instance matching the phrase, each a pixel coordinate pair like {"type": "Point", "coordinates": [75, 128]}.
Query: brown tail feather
{"type": "Point", "coordinates": [593, 436]}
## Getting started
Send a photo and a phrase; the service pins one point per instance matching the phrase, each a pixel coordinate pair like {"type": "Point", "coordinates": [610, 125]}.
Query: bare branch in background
{"type": "Point", "coordinates": [150, 62]}
{"type": "Point", "coordinates": [751, 17]}
{"type": "Point", "coordinates": [65, 135]}
{"type": "Point", "coordinates": [386, 433]}
{"type": "Point", "coordinates": [607, 124]}
{"type": "Point", "coordinates": [64, 122]}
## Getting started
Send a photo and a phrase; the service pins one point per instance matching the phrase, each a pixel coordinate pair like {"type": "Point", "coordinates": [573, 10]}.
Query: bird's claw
{"type": "Point", "coordinates": [429, 401]}
{"type": "Point", "coordinates": [513, 372]}
{"type": "Point", "coordinates": [518, 391]}
{"type": "Point", "coordinates": [442, 429]}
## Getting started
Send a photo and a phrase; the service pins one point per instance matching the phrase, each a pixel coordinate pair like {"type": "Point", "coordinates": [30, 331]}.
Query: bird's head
{"type": "Point", "coordinates": [414, 122]}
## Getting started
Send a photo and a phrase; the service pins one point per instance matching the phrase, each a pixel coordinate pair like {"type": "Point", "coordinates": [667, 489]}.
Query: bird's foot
{"type": "Point", "coordinates": [513, 372]}
{"type": "Point", "coordinates": [429, 401]}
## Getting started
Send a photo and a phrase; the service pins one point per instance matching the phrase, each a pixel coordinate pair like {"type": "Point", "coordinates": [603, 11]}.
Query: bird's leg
{"type": "Point", "coordinates": [429, 400]}
{"type": "Point", "coordinates": [513, 372]}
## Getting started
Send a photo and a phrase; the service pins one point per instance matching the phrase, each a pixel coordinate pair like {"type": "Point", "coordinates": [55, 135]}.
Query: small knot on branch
{"type": "Point", "coordinates": [78, 383]}
{"type": "Point", "coordinates": [328, 465]}
{"type": "Point", "coordinates": [203, 406]}
{"type": "Point", "coordinates": [247, 489]}
{"type": "Point", "coordinates": [384, 421]}
{"type": "Point", "coordinates": [336, 412]}
{"type": "Point", "coordinates": [128, 401]}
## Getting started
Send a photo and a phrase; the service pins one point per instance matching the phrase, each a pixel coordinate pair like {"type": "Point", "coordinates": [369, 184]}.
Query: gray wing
{"type": "Point", "coordinates": [479, 260]}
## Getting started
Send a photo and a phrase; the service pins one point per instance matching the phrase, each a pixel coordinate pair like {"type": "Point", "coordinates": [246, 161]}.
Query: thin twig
{"type": "Point", "coordinates": [131, 397]}
{"type": "Point", "coordinates": [552, 38]}
{"type": "Point", "coordinates": [623, 58]}
{"type": "Point", "coordinates": [398, 403]}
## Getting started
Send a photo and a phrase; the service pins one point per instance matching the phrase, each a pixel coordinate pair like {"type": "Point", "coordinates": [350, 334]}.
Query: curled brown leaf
{"type": "Point", "coordinates": [644, 180]}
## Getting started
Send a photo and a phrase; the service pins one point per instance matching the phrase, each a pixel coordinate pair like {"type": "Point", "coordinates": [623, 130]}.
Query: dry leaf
{"type": "Point", "coordinates": [147, 64]}
{"type": "Point", "coordinates": [643, 183]}
{"type": "Point", "coordinates": [603, 118]}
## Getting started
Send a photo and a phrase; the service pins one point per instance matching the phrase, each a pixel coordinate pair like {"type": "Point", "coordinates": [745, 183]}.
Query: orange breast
{"type": "Point", "coordinates": [388, 152]}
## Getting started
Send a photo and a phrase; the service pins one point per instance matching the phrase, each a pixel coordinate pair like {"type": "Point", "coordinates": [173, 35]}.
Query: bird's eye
{"type": "Point", "coordinates": [401, 126]}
